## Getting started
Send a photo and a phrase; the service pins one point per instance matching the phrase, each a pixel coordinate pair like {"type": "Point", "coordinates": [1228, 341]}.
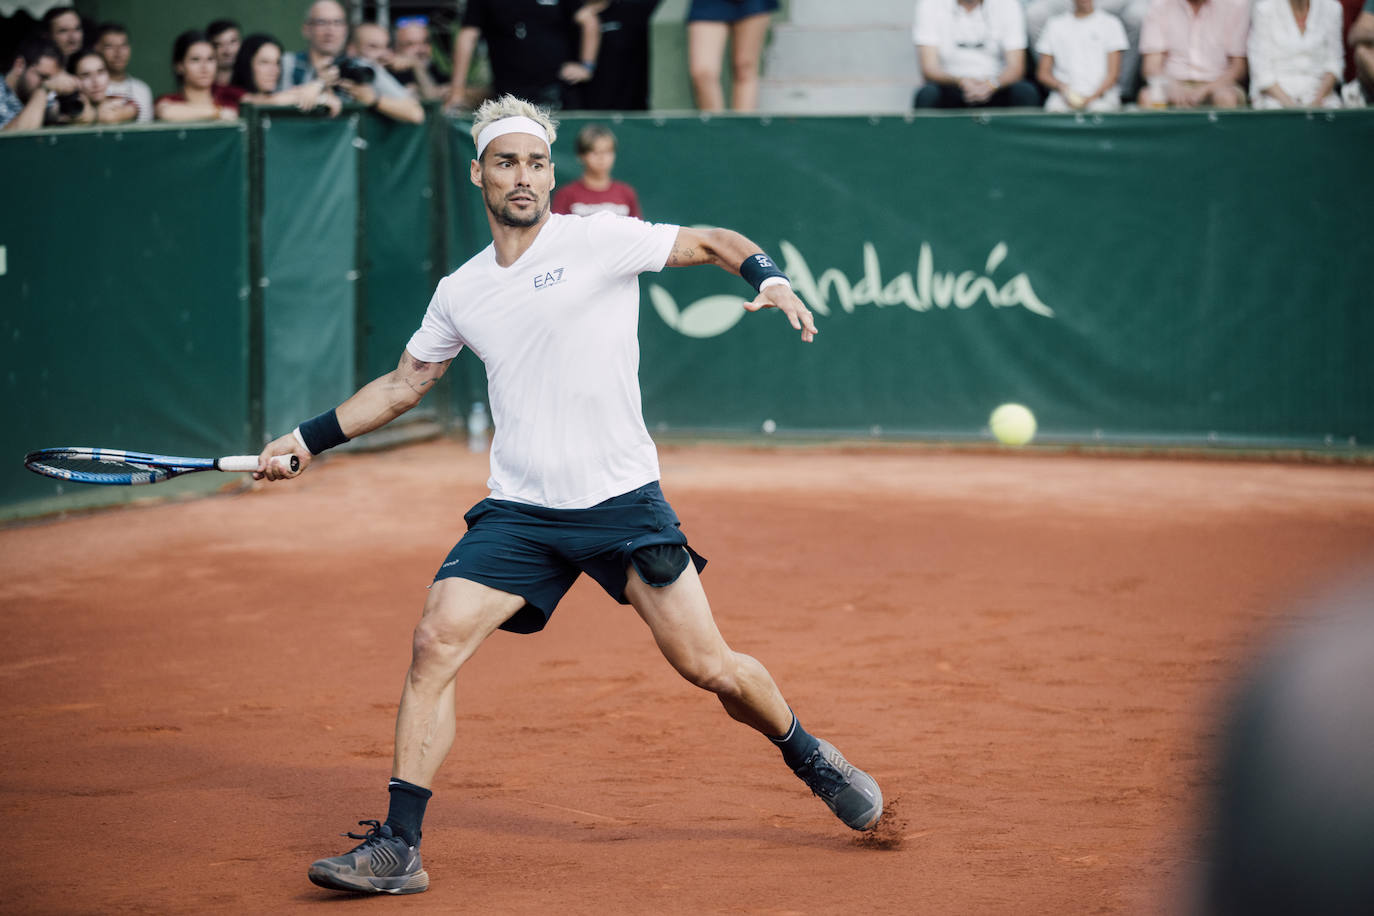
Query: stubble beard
{"type": "Point", "coordinates": [505, 215]}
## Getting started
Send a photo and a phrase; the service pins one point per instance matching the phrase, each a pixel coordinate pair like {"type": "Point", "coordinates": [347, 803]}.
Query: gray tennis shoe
{"type": "Point", "coordinates": [848, 791]}
{"type": "Point", "coordinates": [383, 863]}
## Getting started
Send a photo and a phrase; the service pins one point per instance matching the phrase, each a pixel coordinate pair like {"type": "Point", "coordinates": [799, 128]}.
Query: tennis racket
{"type": "Point", "coordinates": [114, 467]}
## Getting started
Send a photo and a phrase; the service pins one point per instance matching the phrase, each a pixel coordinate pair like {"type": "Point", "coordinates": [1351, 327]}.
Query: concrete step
{"type": "Point", "coordinates": [824, 53]}
{"type": "Point", "coordinates": [853, 12]}
{"type": "Point", "coordinates": [875, 97]}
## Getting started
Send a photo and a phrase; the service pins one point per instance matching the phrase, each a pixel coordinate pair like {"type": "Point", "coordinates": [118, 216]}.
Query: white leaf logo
{"type": "Point", "coordinates": [709, 317]}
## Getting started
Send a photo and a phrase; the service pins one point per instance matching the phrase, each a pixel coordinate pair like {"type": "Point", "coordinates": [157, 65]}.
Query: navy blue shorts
{"type": "Point", "coordinates": [728, 10]}
{"type": "Point", "coordinates": [537, 553]}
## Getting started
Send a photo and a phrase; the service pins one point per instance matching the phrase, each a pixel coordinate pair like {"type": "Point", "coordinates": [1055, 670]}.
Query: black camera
{"type": "Point", "coordinates": [354, 70]}
{"type": "Point", "coordinates": [70, 105]}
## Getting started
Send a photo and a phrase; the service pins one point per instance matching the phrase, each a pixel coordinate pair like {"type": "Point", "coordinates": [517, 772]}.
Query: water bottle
{"type": "Point", "coordinates": [477, 427]}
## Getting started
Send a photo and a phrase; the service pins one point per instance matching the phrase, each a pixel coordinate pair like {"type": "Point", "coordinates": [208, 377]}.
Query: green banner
{"type": "Point", "coordinates": [123, 299]}
{"type": "Point", "coordinates": [310, 245]}
{"type": "Point", "coordinates": [1173, 277]}
{"type": "Point", "coordinates": [1149, 278]}
{"type": "Point", "coordinates": [400, 251]}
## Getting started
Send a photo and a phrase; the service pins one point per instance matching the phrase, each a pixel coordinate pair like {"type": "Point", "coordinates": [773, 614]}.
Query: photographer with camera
{"type": "Point", "coordinates": [326, 34]}
{"type": "Point", "coordinates": [34, 77]}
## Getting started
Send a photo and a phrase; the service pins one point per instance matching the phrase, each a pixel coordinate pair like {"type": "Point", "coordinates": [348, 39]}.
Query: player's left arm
{"type": "Point", "coordinates": [733, 253]}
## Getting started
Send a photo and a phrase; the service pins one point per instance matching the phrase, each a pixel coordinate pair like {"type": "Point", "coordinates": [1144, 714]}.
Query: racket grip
{"type": "Point", "coordinates": [289, 464]}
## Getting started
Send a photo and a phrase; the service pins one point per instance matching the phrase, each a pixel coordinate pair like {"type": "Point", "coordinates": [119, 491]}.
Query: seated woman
{"type": "Point", "coordinates": [193, 59]}
{"type": "Point", "coordinates": [257, 72]}
{"type": "Point", "coordinates": [97, 106]}
{"type": "Point", "coordinates": [1295, 52]}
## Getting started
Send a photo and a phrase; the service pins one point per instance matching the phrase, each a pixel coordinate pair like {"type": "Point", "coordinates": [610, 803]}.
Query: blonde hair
{"type": "Point", "coordinates": [508, 106]}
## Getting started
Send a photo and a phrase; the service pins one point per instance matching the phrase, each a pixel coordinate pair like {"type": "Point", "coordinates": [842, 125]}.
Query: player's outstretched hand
{"type": "Point", "coordinates": [283, 445]}
{"type": "Point", "coordinates": [781, 297]}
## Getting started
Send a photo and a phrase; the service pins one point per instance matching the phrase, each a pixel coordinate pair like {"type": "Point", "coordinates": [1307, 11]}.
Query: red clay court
{"type": "Point", "coordinates": [1029, 651]}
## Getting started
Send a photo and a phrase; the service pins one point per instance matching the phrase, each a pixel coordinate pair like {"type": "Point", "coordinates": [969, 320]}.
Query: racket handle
{"type": "Point", "coordinates": [289, 464]}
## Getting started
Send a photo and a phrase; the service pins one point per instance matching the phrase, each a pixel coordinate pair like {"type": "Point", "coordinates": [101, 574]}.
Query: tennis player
{"type": "Point", "coordinates": [551, 307]}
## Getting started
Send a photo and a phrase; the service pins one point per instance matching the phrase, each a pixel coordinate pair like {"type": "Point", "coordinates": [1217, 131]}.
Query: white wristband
{"type": "Point", "coordinates": [774, 281]}
{"type": "Point", "coordinates": [299, 438]}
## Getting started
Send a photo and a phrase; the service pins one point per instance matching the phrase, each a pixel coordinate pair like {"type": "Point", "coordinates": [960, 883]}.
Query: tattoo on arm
{"type": "Point", "coordinates": [682, 254]}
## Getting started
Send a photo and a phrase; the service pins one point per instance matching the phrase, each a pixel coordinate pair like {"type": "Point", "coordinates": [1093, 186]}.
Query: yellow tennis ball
{"type": "Point", "coordinates": [1012, 424]}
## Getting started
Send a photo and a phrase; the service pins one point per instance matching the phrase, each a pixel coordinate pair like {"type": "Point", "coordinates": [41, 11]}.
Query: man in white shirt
{"type": "Point", "coordinates": [1080, 59]}
{"type": "Point", "coordinates": [972, 53]}
{"type": "Point", "coordinates": [112, 43]}
{"type": "Point", "coordinates": [551, 307]}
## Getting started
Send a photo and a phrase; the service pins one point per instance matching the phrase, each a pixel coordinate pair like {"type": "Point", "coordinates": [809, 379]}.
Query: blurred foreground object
{"type": "Point", "coordinates": [1293, 817]}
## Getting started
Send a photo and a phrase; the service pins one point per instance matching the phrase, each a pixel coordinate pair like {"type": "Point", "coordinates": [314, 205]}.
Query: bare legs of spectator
{"type": "Point", "coordinates": [1364, 69]}
{"type": "Point", "coordinates": [705, 48]}
{"type": "Point", "coordinates": [748, 35]}
{"type": "Point", "coordinates": [706, 43]}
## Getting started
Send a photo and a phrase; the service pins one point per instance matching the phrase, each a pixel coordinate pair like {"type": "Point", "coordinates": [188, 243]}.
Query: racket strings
{"type": "Point", "coordinates": [108, 468]}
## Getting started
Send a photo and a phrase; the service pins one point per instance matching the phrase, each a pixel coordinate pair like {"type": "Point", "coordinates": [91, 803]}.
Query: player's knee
{"type": "Point", "coordinates": [434, 645]}
{"type": "Point", "coordinates": [712, 672]}
{"type": "Point", "coordinates": [660, 565]}
{"type": "Point", "coordinates": [712, 677]}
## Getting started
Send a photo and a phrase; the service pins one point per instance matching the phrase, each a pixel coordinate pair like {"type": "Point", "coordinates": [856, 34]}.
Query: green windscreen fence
{"type": "Point", "coordinates": [310, 273]}
{"type": "Point", "coordinates": [1160, 278]}
{"type": "Point", "coordinates": [123, 299]}
{"type": "Point", "coordinates": [1138, 278]}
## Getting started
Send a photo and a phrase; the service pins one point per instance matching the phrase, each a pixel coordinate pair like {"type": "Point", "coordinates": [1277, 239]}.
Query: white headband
{"type": "Point", "coordinates": [518, 124]}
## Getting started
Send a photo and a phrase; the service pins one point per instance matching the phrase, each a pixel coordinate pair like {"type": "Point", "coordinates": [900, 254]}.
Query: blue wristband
{"type": "Point", "coordinates": [759, 267]}
{"type": "Point", "coordinates": [322, 432]}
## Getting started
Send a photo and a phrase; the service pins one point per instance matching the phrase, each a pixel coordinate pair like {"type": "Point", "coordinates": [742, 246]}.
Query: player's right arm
{"type": "Point", "coordinates": [373, 406]}
{"type": "Point", "coordinates": [728, 250]}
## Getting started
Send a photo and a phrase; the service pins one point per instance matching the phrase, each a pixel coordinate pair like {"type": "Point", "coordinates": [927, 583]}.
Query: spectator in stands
{"type": "Point", "coordinates": [200, 98]}
{"type": "Point", "coordinates": [542, 51]}
{"type": "Point", "coordinates": [1359, 92]}
{"type": "Point", "coordinates": [63, 25]}
{"type": "Point", "coordinates": [370, 85]}
{"type": "Point", "coordinates": [257, 72]}
{"type": "Point", "coordinates": [370, 42]}
{"type": "Point", "coordinates": [1080, 59]}
{"type": "Point", "coordinates": [710, 24]}
{"type": "Point", "coordinates": [97, 105]}
{"type": "Point", "coordinates": [226, 36]}
{"type": "Point", "coordinates": [620, 81]}
{"type": "Point", "coordinates": [972, 53]}
{"type": "Point", "coordinates": [412, 60]}
{"type": "Point", "coordinates": [112, 41]}
{"type": "Point", "coordinates": [596, 191]}
{"type": "Point", "coordinates": [1193, 53]}
{"type": "Point", "coordinates": [1130, 12]}
{"type": "Point", "coordinates": [35, 75]}
{"type": "Point", "coordinates": [1295, 54]}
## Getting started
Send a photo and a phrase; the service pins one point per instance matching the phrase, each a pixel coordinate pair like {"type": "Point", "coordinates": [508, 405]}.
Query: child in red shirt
{"type": "Point", "coordinates": [596, 191]}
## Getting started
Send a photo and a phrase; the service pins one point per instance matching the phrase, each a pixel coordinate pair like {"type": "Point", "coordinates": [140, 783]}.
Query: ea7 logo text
{"type": "Point", "coordinates": [551, 278]}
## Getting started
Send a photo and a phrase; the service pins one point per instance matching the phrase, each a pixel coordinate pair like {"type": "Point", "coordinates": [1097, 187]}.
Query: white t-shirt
{"type": "Point", "coordinates": [972, 44]}
{"type": "Point", "coordinates": [134, 88]}
{"type": "Point", "coordinates": [558, 331]}
{"type": "Point", "coordinates": [1080, 46]}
